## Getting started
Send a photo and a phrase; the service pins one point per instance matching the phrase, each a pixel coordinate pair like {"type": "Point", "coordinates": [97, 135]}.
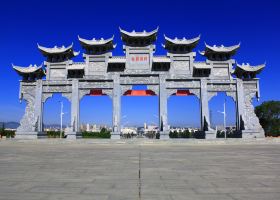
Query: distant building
{"type": "Point", "coordinates": [129, 130]}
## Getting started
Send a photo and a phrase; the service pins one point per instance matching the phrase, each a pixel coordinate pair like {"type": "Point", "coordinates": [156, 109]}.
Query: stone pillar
{"type": "Point", "coordinates": [163, 122]}
{"type": "Point", "coordinates": [239, 104]}
{"type": "Point", "coordinates": [204, 111]}
{"type": "Point", "coordinates": [116, 108]}
{"type": "Point", "coordinates": [75, 111]}
{"type": "Point", "coordinates": [38, 106]}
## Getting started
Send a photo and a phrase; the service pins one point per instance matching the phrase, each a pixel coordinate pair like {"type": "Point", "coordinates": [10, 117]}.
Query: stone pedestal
{"type": "Point", "coordinates": [74, 135]}
{"type": "Point", "coordinates": [210, 135]}
{"type": "Point", "coordinates": [30, 135]}
{"type": "Point", "coordinates": [164, 135]}
{"type": "Point", "coordinates": [115, 135]}
{"type": "Point", "coordinates": [248, 134]}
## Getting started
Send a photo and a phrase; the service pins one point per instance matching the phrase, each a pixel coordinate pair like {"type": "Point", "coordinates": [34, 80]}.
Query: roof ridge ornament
{"type": "Point", "coordinates": [95, 39]}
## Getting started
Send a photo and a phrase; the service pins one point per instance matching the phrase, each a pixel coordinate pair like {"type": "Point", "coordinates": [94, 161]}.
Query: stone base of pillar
{"type": "Point", "coordinates": [247, 134]}
{"type": "Point", "coordinates": [210, 135]}
{"type": "Point", "coordinates": [115, 136]}
{"type": "Point", "coordinates": [30, 135]}
{"type": "Point", "coordinates": [164, 135]}
{"type": "Point", "coordinates": [73, 135]}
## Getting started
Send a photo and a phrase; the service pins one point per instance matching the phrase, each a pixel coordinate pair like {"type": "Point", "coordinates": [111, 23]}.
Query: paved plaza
{"type": "Point", "coordinates": [163, 171]}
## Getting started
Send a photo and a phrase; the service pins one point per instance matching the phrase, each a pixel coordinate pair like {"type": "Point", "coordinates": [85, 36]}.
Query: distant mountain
{"type": "Point", "coordinates": [11, 125]}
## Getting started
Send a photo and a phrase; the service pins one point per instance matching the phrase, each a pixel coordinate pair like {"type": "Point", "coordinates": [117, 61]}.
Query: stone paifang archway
{"type": "Point", "coordinates": [164, 74]}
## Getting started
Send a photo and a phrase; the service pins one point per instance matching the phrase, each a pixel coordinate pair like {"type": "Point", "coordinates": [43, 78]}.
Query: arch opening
{"type": "Point", "coordinates": [96, 114]}
{"type": "Point", "coordinates": [54, 108]}
{"type": "Point", "coordinates": [139, 116]}
{"type": "Point", "coordinates": [183, 120]}
{"type": "Point", "coordinates": [222, 114]}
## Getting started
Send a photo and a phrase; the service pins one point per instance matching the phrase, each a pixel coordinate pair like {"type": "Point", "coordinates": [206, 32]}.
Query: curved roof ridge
{"type": "Point", "coordinates": [248, 67]}
{"type": "Point", "coordinates": [95, 41]}
{"type": "Point", "coordinates": [223, 48]}
{"type": "Point", "coordinates": [139, 34]}
{"type": "Point", "coordinates": [55, 49]}
{"type": "Point", "coordinates": [30, 69]}
{"type": "Point", "coordinates": [183, 41]}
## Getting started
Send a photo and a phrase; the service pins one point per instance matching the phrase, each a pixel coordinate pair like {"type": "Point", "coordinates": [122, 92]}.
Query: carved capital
{"type": "Point", "coordinates": [46, 96]}
{"type": "Point", "coordinates": [125, 88]}
{"type": "Point", "coordinates": [83, 93]}
{"type": "Point", "coordinates": [170, 92]}
{"type": "Point", "coordinates": [210, 95]}
{"type": "Point", "coordinates": [232, 95]}
{"type": "Point", "coordinates": [67, 96]}
{"type": "Point", "coordinates": [196, 92]}
{"type": "Point", "coordinates": [154, 88]}
{"type": "Point", "coordinates": [108, 93]}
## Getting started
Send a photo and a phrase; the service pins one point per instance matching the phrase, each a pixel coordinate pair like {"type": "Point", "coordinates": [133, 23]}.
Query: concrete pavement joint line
{"type": "Point", "coordinates": [139, 174]}
{"type": "Point", "coordinates": [109, 172]}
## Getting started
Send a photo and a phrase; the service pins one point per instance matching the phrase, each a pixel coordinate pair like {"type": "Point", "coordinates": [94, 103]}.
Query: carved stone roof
{"type": "Point", "coordinates": [117, 59]}
{"type": "Point", "coordinates": [138, 39]}
{"type": "Point", "coordinates": [97, 43]}
{"type": "Point", "coordinates": [161, 59]}
{"type": "Point", "coordinates": [139, 34]}
{"type": "Point", "coordinates": [248, 68]}
{"type": "Point", "coordinates": [28, 70]}
{"type": "Point", "coordinates": [180, 45]}
{"type": "Point", "coordinates": [58, 50]}
{"type": "Point", "coordinates": [219, 52]}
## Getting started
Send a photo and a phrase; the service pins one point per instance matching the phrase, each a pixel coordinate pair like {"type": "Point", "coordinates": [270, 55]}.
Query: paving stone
{"type": "Point", "coordinates": [52, 170]}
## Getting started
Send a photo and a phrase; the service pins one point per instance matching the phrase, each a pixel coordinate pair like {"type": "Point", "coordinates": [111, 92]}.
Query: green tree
{"type": "Point", "coordinates": [269, 114]}
{"type": "Point", "coordinates": [2, 130]}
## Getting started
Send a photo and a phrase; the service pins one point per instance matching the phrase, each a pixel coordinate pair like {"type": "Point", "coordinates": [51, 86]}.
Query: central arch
{"type": "Point", "coordinates": [139, 114]}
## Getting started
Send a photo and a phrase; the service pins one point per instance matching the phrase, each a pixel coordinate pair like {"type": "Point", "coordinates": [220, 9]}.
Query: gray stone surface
{"type": "Point", "coordinates": [81, 169]}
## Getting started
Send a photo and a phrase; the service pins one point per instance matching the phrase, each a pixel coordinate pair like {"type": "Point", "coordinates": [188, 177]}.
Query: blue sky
{"type": "Point", "coordinates": [24, 23]}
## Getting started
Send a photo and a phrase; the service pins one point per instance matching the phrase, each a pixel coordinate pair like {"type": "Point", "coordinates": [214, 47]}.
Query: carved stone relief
{"type": "Point", "coordinates": [251, 121]}
{"type": "Point", "coordinates": [28, 121]}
